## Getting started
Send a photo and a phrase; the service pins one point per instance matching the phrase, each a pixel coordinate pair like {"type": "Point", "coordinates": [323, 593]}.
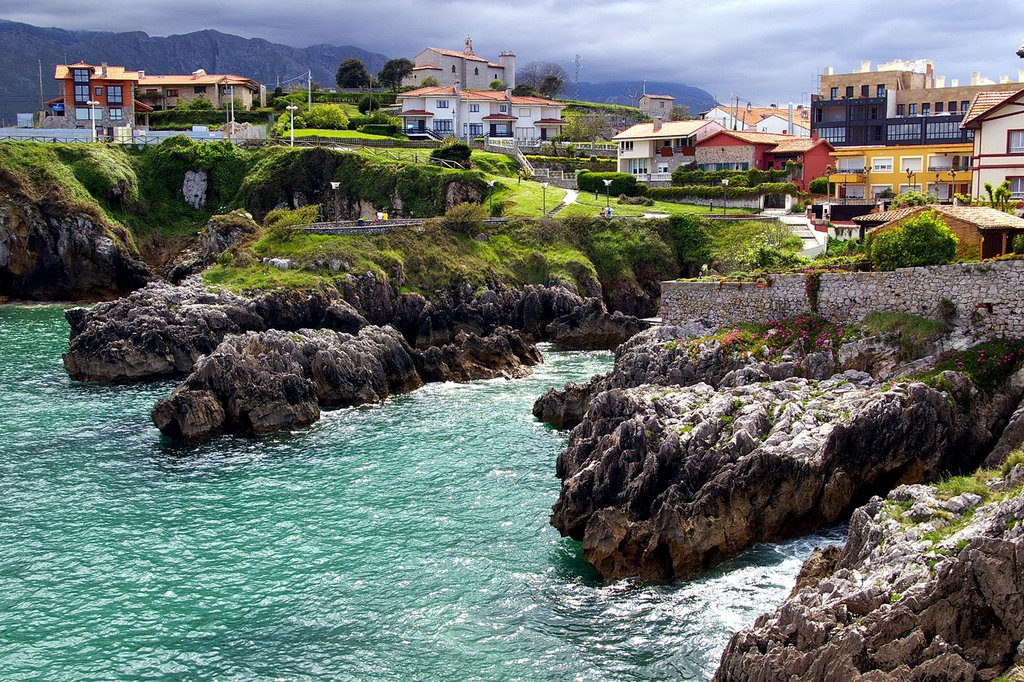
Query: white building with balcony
{"type": "Point", "coordinates": [997, 119]}
{"type": "Point", "coordinates": [651, 151]}
{"type": "Point", "coordinates": [440, 112]}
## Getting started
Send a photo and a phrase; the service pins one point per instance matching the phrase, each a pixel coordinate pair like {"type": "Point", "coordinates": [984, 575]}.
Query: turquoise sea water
{"type": "Point", "coordinates": [405, 541]}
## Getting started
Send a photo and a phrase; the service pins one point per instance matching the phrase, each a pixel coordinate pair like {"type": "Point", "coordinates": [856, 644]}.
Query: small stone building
{"type": "Point", "coordinates": [982, 231]}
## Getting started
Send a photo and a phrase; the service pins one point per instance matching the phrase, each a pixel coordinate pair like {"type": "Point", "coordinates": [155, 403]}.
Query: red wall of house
{"type": "Point", "coordinates": [815, 162]}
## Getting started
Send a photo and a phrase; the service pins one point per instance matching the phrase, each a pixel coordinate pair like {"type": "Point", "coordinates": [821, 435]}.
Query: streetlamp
{"type": "Point", "coordinates": [544, 198]}
{"type": "Point", "coordinates": [725, 192]}
{"type": "Point", "coordinates": [952, 185]}
{"type": "Point", "coordinates": [335, 185]}
{"type": "Point", "coordinates": [291, 110]}
{"type": "Point", "coordinates": [490, 195]}
{"type": "Point", "coordinates": [607, 193]}
{"type": "Point", "coordinates": [92, 116]}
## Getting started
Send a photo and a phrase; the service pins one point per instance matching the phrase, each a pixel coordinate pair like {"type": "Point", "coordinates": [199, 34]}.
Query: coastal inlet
{"type": "Point", "coordinates": [406, 540]}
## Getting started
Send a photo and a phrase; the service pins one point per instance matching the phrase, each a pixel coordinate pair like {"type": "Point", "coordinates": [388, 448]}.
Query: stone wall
{"type": "Point", "coordinates": [988, 296]}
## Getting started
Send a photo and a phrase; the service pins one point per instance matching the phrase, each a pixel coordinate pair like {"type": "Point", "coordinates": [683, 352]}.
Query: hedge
{"type": "Point", "coordinates": [320, 97]}
{"type": "Point", "coordinates": [622, 183]}
{"type": "Point", "coordinates": [386, 129]}
{"type": "Point", "coordinates": [566, 164]}
{"type": "Point", "coordinates": [186, 118]}
{"type": "Point", "coordinates": [730, 192]}
{"type": "Point", "coordinates": [747, 178]}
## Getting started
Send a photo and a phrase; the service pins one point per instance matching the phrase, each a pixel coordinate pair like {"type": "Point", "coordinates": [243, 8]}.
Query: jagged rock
{"type": "Point", "coordinates": [193, 188]}
{"type": "Point", "coordinates": [49, 253]}
{"type": "Point", "coordinates": [161, 330]}
{"type": "Point", "coordinates": [905, 599]}
{"type": "Point", "coordinates": [273, 380]}
{"type": "Point", "coordinates": [591, 327]}
{"type": "Point", "coordinates": [660, 482]}
{"type": "Point", "coordinates": [224, 231]}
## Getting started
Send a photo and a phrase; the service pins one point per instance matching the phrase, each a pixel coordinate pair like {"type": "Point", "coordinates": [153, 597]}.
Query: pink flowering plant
{"type": "Point", "coordinates": [986, 364]}
{"type": "Point", "coordinates": [804, 333]}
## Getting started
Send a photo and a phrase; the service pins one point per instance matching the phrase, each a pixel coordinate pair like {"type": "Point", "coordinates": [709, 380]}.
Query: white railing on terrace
{"type": "Point", "coordinates": [653, 177]}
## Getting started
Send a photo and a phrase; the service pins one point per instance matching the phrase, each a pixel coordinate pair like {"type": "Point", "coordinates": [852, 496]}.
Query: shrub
{"type": "Point", "coordinates": [1018, 243]}
{"type": "Point", "coordinates": [819, 185]}
{"type": "Point", "coordinates": [459, 152]}
{"type": "Point", "coordinates": [913, 198]}
{"type": "Point", "coordinates": [464, 219]}
{"type": "Point", "coordinates": [368, 103]}
{"type": "Point", "coordinates": [386, 129]}
{"type": "Point", "coordinates": [622, 183]}
{"type": "Point", "coordinates": [921, 240]}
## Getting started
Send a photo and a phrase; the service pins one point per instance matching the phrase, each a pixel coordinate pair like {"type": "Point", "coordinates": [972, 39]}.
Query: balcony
{"type": "Point", "coordinates": [848, 176]}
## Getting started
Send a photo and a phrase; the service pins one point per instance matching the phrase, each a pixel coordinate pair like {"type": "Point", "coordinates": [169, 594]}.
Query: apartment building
{"type": "Point", "coordinates": [899, 103]}
{"type": "Point", "coordinates": [872, 172]}
{"type": "Point", "coordinates": [168, 92]}
{"type": "Point", "coordinates": [451, 111]}
{"type": "Point", "coordinates": [112, 88]}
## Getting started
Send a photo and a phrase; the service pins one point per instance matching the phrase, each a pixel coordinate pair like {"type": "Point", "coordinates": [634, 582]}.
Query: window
{"type": "Point", "coordinates": [952, 107]}
{"type": "Point", "coordinates": [851, 164]}
{"type": "Point", "coordinates": [849, 92]}
{"type": "Point", "coordinates": [636, 166]}
{"type": "Point", "coordinates": [442, 104]}
{"type": "Point", "coordinates": [503, 108]}
{"type": "Point", "coordinates": [964, 106]}
{"type": "Point", "coordinates": [453, 68]}
{"type": "Point", "coordinates": [199, 89]}
{"type": "Point", "coordinates": [832, 135]}
{"type": "Point", "coordinates": [880, 90]}
{"type": "Point", "coordinates": [626, 146]}
{"type": "Point", "coordinates": [82, 114]}
{"type": "Point", "coordinates": [882, 164]}
{"type": "Point", "coordinates": [943, 130]}
{"type": "Point", "coordinates": [81, 75]}
{"type": "Point", "coordinates": [1016, 188]}
{"type": "Point", "coordinates": [938, 107]}
{"type": "Point", "coordinates": [912, 110]}
{"type": "Point", "coordinates": [878, 190]}
{"type": "Point", "coordinates": [524, 112]}
{"type": "Point", "coordinates": [926, 109]}
{"type": "Point", "coordinates": [911, 163]}
{"type": "Point", "coordinates": [904, 132]}
{"type": "Point", "coordinates": [476, 72]}
{"type": "Point", "coordinates": [865, 91]}
{"type": "Point", "coordinates": [116, 113]}
{"type": "Point", "coordinates": [962, 163]}
{"type": "Point", "coordinates": [901, 110]}
{"type": "Point", "coordinates": [172, 92]}
{"type": "Point", "coordinates": [1015, 142]}
{"type": "Point", "coordinates": [99, 91]}
{"type": "Point", "coordinates": [476, 129]}
{"type": "Point", "coordinates": [834, 93]}
{"type": "Point", "coordinates": [443, 125]}
{"type": "Point", "coordinates": [81, 94]}
{"type": "Point", "coordinates": [663, 168]}
{"type": "Point", "coordinates": [939, 163]}
{"type": "Point", "coordinates": [114, 95]}
{"type": "Point", "coordinates": [873, 113]}
{"type": "Point", "coordinates": [474, 108]}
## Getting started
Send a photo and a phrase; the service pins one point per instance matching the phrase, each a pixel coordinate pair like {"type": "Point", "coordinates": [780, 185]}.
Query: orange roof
{"type": "Point", "coordinates": [478, 95]}
{"type": "Point", "coordinates": [982, 217]}
{"type": "Point", "coordinates": [659, 96]}
{"type": "Point", "coordinates": [551, 121]}
{"type": "Point", "coordinates": [455, 53]}
{"type": "Point", "coordinates": [796, 145]}
{"type": "Point", "coordinates": [428, 67]}
{"type": "Point", "coordinates": [985, 102]}
{"type": "Point", "coordinates": [643, 131]}
{"type": "Point", "coordinates": [191, 79]}
{"type": "Point", "coordinates": [755, 137]}
{"type": "Point", "coordinates": [114, 73]}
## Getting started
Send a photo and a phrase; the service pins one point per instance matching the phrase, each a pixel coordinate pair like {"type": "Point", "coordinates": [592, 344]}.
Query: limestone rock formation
{"type": "Point", "coordinates": [260, 382]}
{"type": "Point", "coordinates": [49, 253]}
{"type": "Point", "coordinates": [161, 330]}
{"type": "Point", "coordinates": [661, 482]}
{"type": "Point", "coordinates": [928, 587]}
{"type": "Point", "coordinates": [590, 326]}
{"type": "Point", "coordinates": [224, 231]}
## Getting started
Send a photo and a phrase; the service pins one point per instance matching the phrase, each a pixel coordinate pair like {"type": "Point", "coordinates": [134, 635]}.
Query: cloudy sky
{"type": "Point", "coordinates": [762, 50]}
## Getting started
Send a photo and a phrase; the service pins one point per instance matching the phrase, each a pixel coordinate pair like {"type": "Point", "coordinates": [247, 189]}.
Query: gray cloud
{"type": "Point", "coordinates": [762, 50]}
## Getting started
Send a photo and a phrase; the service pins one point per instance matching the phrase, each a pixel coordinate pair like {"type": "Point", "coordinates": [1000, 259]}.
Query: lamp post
{"type": "Point", "coordinates": [490, 196]}
{"type": "Point", "coordinates": [725, 193]}
{"type": "Point", "coordinates": [335, 185]}
{"type": "Point", "coordinates": [544, 198]}
{"type": "Point", "coordinates": [607, 193]}
{"type": "Point", "coordinates": [291, 110]}
{"type": "Point", "coordinates": [92, 116]}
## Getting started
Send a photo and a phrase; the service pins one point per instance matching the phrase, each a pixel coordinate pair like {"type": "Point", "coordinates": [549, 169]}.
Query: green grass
{"type": "Point", "coordinates": [915, 332]}
{"type": "Point", "coordinates": [587, 205]}
{"type": "Point", "coordinates": [525, 199]}
{"type": "Point", "coordinates": [337, 134]}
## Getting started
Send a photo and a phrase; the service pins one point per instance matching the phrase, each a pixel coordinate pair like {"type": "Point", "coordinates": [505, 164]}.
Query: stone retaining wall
{"type": "Point", "coordinates": [988, 296]}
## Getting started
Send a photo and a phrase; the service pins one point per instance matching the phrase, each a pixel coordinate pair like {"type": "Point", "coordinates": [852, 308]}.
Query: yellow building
{"type": "Point", "coordinates": [869, 172]}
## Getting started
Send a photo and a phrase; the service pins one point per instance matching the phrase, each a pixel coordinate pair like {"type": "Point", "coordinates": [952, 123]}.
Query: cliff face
{"type": "Point", "coordinates": [62, 255]}
{"type": "Point", "coordinates": [928, 587]}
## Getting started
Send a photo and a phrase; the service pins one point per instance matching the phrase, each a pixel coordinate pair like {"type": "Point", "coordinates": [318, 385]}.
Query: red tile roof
{"type": "Point", "coordinates": [479, 95]}
{"type": "Point", "coordinates": [455, 53]}
{"type": "Point", "coordinates": [551, 121]}
{"type": "Point", "coordinates": [982, 217]}
{"type": "Point", "coordinates": [985, 102]}
{"type": "Point", "coordinates": [114, 73]}
{"type": "Point", "coordinates": [500, 117]}
{"type": "Point", "coordinates": [416, 112]}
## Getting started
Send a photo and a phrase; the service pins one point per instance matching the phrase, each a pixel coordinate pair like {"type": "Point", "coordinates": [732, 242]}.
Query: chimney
{"type": "Point", "coordinates": [142, 74]}
{"type": "Point", "coordinates": [975, 77]}
{"type": "Point", "coordinates": [1020, 76]}
{"type": "Point", "coordinates": [657, 123]}
{"type": "Point", "coordinates": [789, 129]}
{"type": "Point", "coordinates": [955, 83]}
{"type": "Point", "coordinates": [865, 67]}
{"type": "Point", "coordinates": [940, 81]}
{"type": "Point", "coordinates": [830, 71]}
{"type": "Point", "coordinates": [1003, 80]}
{"type": "Point", "coordinates": [103, 69]}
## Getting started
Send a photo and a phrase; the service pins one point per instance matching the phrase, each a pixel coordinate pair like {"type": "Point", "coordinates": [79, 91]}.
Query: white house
{"type": "Point", "coordinates": [466, 68]}
{"type": "Point", "coordinates": [443, 111]}
{"type": "Point", "coordinates": [651, 151]}
{"type": "Point", "coordinates": [762, 119]}
{"type": "Point", "coordinates": [998, 121]}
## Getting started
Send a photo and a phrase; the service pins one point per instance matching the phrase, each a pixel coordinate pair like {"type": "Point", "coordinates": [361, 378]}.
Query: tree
{"type": "Point", "coordinates": [913, 197]}
{"type": "Point", "coordinates": [924, 239]}
{"type": "Point", "coordinates": [352, 74]}
{"type": "Point", "coordinates": [430, 82]}
{"type": "Point", "coordinates": [394, 70]}
{"type": "Point", "coordinates": [523, 90]}
{"type": "Point", "coordinates": [546, 78]}
{"type": "Point", "coordinates": [586, 128]}
{"type": "Point", "coordinates": [680, 112]}
{"type": "Point", "coordinates": [498, 84]}
{"type": "Point", "coordinates": [201, 103]}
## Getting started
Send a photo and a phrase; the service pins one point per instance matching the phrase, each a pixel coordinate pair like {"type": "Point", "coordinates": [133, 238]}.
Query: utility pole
{"type": "Point", "coordinates": [309, 90]}
{"type": "Point", "coordinates": [40, 84]}
{"type": "Point", "coordinates": [578, 62]}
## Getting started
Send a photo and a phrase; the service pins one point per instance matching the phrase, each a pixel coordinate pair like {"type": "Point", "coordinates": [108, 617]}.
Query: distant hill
{"type": "Point", "coordinates": [22, 46]}
{"type": "Point", "coordinates": [627, 92]}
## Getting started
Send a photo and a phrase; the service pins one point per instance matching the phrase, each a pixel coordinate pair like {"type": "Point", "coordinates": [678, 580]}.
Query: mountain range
{"type": "Point", "coordinates": [24, 47]}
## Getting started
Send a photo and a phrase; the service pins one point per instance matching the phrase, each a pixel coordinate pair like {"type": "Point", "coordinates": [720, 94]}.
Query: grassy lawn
{"type": "Point", "coordinates": [587, 205]}
{"type": "Point", "coordinates": [527, 198]}
{"type": "Point", "coordinates": [338, 134]}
